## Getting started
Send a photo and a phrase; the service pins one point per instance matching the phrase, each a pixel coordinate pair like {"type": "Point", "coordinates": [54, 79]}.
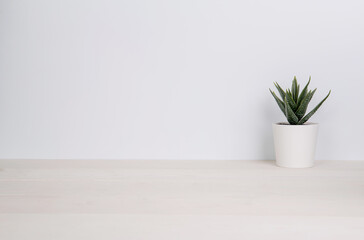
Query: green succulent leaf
{"type": "Point", "coordinates": [301, 110]}
{"type": "Point", "coordinates": [290, 100]}
{"type": "Point", "coordinates": [295, 89]}
{"type": "Point", "coordinates": [279, 102]}
{"type": "Point", "coordinates": [303, 120]}
{"type": "Point", "coordinates": [280, 90]}
{"type": "Point", "coordinates": [303, 93]}
{"type": "Point", "coordinates": [291, 117]}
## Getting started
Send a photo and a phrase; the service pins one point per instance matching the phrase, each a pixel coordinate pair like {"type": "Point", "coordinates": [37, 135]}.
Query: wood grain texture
{"type": "Point", "coordinates": [140, 199]}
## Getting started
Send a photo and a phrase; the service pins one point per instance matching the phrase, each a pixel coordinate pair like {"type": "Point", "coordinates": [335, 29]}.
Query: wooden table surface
{"type": "Point", "coordinates": [149, 199]}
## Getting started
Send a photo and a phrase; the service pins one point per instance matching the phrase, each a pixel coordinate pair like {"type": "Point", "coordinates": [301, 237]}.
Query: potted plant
{"type": "Point", "coordinates": [295, 140]}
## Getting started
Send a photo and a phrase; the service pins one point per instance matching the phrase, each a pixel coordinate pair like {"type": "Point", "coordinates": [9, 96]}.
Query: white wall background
{"type": "Point", "coordinates": [177, 79]}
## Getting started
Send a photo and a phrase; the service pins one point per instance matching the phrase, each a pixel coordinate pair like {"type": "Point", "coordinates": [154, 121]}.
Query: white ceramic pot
{"type": "Point", "coordinates": [295, 144]}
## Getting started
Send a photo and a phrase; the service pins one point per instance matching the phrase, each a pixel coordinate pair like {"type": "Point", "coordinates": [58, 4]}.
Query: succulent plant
{"type": "Point", "coordinates": [294, 103]}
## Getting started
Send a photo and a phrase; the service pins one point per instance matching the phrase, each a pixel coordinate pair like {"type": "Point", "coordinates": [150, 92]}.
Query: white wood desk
{"type": "Point", "coordinates": [112, 199]}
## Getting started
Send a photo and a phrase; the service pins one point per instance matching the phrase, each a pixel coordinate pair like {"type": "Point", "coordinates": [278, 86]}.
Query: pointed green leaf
{"type": "Point", "coordinates": [290, 100]}
{"type": "Point", "coordinates": [294, 89]}
{"type": "Point", "coordinates": [301, 110]}
{"type": "Point", "coordinates": [291, 117]}
{"type": "Point", "coordinates": [280, 90]}
{"type": "Point", "coordinates": [279, 102]}
{"type": "Point", "coordinates": [303, 93]}
{"type": "Point", "coordinates": [303, 120]}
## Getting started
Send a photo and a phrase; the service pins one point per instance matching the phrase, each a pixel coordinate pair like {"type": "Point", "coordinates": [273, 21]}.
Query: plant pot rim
{"type": "Point", "coordinates": [286, 124]}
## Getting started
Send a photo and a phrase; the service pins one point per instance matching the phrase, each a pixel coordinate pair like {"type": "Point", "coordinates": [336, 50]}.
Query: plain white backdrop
{"type": "Point", "coordinates": [175, 79]}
